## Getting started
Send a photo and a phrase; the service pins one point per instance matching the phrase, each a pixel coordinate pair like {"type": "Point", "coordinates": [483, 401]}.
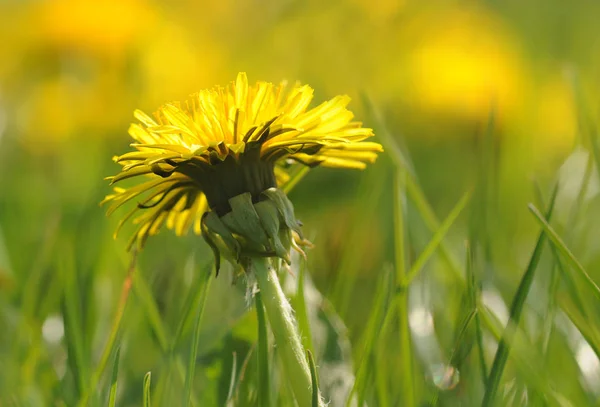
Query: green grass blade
{"type": "Point", "coordinates": [564, 250]}
{"type": "Point", "coordinates": [264, 388]}
{"type": "Point", "coordinates": [113, 335]}
{"type": "Point", "coordinates": [349, 265]}
{"type": "Point", "coordinates": [595, 150]}
{"type": "Point", "coordinates": [380, 369]}
{"type": "Point", "coordinates": [112, 398]}
{"type": "Point", "coordinates": [301, 310]}
{"type": "Point", "coordinates": [374, 327]}
{"type": "Point", "coordinates": [193, 301]}
{"type": "Point", "coordinates": [146, 402]}
{"type": "Point", "coordinates": [462, 333]}
{"type": "Point", "coordinates": [232, 382]}
{"type": "Point", "coordinates": [189, 379]}
{"type": "Point", "coordinates": [589, 331]}
{"type": "Point", "coordinates": [417, 196]}
{"type": "Point", "coordinates": [294, 179]}
{"type": "Point", "coordinates": [144, 294]}
{"type": "Point", "coordinates": [391, 143]}
{"type": "Point", "coordinates": [437, 238]}
{"type": "Point", "coordinates": [407, 377]}
{"type": "Point", "coordinates": [515, 315]}
{"type": "Point", "coordinates": [413, 190]}
{"type": "Point", "coordinates": [526, 358]}
{"type": "Point", "coordinates": [474, 294]}
{"type": "Point", "coordinates": [72, 319]}
{"type": "Point", "coordinates": [314, 379]}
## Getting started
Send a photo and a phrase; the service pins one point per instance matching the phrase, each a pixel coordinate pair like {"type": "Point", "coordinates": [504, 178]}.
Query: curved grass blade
{"type": "Point", "coordinates": [146, 402]}
{"type": "Point", "coordinates": [264, 389]}
{"type": "Point", "coordinates": [74, 336]}
{"type": "Point", "coordinates": [314, 379]}
{"type": "Point", "coordinates": [564, 250]}
{"type": "Point", "coordinates": [112, 398]}
{"type": "Point", "coordinates": [437, 238]}
{"type": "Point", "coordinates": [459, 338]}
{"type": "Point", "coordinates": [515, 315]}
{"type": "Point", "coordinates": [589, 331]}
{"type": "Point", "coordinates": [402, 161]}
{"type": "Point", "coordinates": [232, 382]}
{"type": "Point", "coordinates": [143, 292]}
{"type": "Point", "coordinates": [294, 179]}
{"type": "Point", "coordinates": [526, 358]}
{"type": "Point", "coordinates": [301, 311]}
{"type": "Point", "coordinates": [407, 380]}
{"type": "Point", "coordinates": [374, 327]}
{"type": "Point", "coordinates": [114, 333]}
{"type": "Point", "coordinates": [189, 379]}
{"type": "Point", "coordinates": [192, 302]}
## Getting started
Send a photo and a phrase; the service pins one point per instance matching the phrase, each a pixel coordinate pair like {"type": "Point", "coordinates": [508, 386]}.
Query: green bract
{"type": "Point", "coordinates": [267, 228]}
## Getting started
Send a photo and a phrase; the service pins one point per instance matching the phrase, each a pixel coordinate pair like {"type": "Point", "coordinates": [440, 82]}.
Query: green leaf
{"type": "Point", "coordinates": [515, 315]}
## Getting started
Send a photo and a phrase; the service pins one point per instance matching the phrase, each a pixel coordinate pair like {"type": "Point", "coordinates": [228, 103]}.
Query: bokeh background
{"type": "Point", "coordinates": [497, 97]}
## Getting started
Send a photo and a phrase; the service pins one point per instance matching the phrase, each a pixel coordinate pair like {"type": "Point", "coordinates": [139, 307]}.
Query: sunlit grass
{"type": "Point", "coordinates": [420, 326]}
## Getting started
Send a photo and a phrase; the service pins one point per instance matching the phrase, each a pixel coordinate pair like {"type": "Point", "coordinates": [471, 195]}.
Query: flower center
{"type": "Point", "coordinates": [223, 180]}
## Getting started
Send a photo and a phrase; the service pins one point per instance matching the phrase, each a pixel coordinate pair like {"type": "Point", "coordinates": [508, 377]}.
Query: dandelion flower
{"type": "Point", "coordinates": [213, 163]}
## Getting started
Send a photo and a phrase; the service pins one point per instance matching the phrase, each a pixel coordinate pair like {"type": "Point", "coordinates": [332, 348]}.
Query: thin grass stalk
{"type": "Point", "coordinates": [114, 333]}
{"type": "Point", "coordinates": [474, 289]}
{"type": "Point", "coordinates": [146, 400]}
{"type": "Point", "coordinates": [515, 315]}
{"type": "Point", "coordinates": [407, 383]}
{"type": "Point", "coordinates": [189, 379]}
{"type": "Point", "coordinates": [112, 398]}
{"type": "Point", "coordinates": [564, 250]}
{"type": "Point", "coordinates": [437, 238]}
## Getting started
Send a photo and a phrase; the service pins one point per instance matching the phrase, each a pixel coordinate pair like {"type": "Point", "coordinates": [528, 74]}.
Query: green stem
{"type": "Point", "coordinates": [285, 331]}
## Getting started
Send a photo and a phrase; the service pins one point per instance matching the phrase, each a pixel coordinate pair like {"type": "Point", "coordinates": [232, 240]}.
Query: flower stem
{"type": "Point", "coordinates": [285, 331]}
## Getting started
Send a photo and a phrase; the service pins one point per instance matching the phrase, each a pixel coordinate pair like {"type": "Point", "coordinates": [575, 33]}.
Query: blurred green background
{"type": "Point", "coordinates": [500, 98]}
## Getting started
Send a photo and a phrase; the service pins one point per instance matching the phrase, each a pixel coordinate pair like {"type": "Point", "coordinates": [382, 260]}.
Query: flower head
{"type": "Point", "coordinates": [196, 157]}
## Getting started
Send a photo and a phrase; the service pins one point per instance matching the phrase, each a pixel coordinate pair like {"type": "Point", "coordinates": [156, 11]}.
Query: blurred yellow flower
{"type": "Point", "coordinates": [549, 121]}
{"type": "Point", "coordinates": [46, 117]}
{"type": "Point", "coordinates": [105, 27]}
{"type": "Point", "coordinates": [224, 143]}
{"type": "Point", "coordinates": [197, 59]}
{"type": "Point", "coordinates": [380, 11]}
{"type": "Point", "coordinates": [60, 108]}
{"type": "Point", "coordinates": [463, 62]}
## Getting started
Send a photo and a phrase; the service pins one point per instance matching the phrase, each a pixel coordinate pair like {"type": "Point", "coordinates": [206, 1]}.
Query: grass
{"type": "Point", "coordinates": [381, 309]}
